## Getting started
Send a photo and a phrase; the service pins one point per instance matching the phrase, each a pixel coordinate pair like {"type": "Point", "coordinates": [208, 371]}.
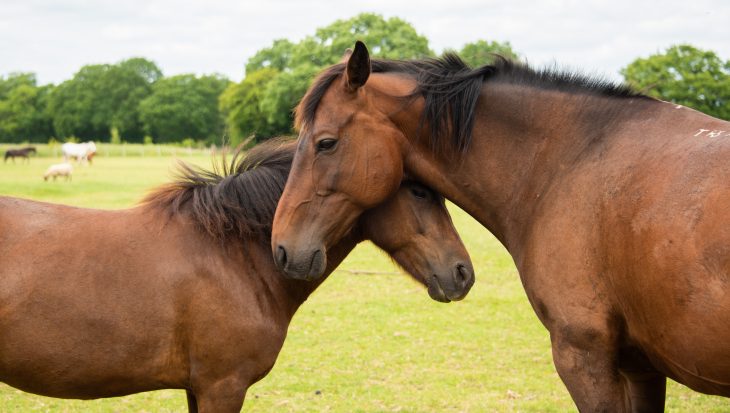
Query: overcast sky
{"type": "Point", "coordinates": [55, 38]}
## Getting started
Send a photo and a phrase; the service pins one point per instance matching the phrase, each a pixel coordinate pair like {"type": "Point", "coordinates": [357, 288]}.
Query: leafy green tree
{"type": "Point", "coordinates": [23, 109]}
{"type": "Point", "coordinates": [391, 38]}
{"type": "Point", "coordinates": [13, 80]}
{"type": "Point", "coordinates": [277, 57]}
{"type": "Point", "coordinates": [684, 75]}
{"type": "Point", "coordinates": [482, 52]}
{"type": "Point", "coordinates": [101, 97]}
{"type": "Point", "coordinates": [282, 95]}
{"type": "Point", "coordinates": [240, 104]}
{"type": "Point", "coordinates": [184, 106]}
{"type": "Point", "coordinates": [144, 68]}
{"type": "Point", "coordinates": [297, 63]}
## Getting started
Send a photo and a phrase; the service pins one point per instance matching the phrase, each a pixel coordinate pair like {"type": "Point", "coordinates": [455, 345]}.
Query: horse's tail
{"type": "Point", "coordinates": [7, 155]}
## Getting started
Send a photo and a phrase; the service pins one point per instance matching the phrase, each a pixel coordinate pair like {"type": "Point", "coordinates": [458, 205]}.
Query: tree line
{"type": "Point", "coordinates": [132, 100]}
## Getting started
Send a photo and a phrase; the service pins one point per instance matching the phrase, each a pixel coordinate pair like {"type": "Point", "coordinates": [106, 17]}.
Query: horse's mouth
{"type": "Point", "coordinates": [435, 291]}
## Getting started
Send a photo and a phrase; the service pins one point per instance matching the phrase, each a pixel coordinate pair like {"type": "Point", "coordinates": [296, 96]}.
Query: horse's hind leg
{"type": "Point", "coordinates": [646, 387]}
{"type": "Point", "coordinates": [646, 393]}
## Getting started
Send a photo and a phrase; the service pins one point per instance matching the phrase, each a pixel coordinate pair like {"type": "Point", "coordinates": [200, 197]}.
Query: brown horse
{"type": "Point", "coordinates": [614, 206]}
{"type": "Point", "coordinates": [23, 153]}
{"type": "Point", "coordinates": [182, 291]}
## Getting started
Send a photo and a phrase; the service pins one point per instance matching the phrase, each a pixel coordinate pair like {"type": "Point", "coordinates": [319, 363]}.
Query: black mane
{"type": "Point", "coordinates": [451, 89]}
{"type": "Point", "coordinates": [235, 199]}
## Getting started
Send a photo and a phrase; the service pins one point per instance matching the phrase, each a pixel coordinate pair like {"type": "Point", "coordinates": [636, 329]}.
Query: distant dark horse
{"type": "Point", "coordinates": [23, 153]}
{"type": "Point", "coordinates": [614, 206]}
{"type": "Point", "coordinates": [182, 292]}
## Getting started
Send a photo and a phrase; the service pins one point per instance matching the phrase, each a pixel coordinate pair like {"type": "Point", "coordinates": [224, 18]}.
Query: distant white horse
{"type": "Point", "coordinates": [82, 152]}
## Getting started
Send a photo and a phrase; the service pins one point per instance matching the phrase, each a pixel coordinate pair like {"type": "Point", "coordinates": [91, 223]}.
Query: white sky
{"type": "Point", "coordinates": [55, 38]}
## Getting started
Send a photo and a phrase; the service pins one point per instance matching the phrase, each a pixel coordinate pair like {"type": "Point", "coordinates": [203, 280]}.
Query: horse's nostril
{"type": "Point", "coordinates": [463, 275]}
{"type": "Point", "coordinates": [280, 257]}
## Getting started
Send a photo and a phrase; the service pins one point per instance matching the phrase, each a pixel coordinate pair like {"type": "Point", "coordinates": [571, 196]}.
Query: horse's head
{"type": "Point", "coordinates": [414, 227]}
{"type": "Point", "coordinates": [349, 159]}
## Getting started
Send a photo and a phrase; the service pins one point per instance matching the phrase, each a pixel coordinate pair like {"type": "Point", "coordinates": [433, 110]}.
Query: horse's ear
{"type": "Point", "coordinates": [358, 67]}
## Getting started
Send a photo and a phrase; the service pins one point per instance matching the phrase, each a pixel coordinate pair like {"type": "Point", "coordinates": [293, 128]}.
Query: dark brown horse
{"type": "Point", "coordinates": [23, 153]}
{"type": "Point", "coordinates": [614, 206]}
{"type": "Point", "coordinates": [182, 292]}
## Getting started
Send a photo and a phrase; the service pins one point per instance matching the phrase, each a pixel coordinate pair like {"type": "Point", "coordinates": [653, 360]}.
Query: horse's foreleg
{"type": "Point", "coordinates": [224, 396]}
{"type": "Point", "coordinates": [585, 359]}
{"type": "Point", "coordinates": [192, 402]}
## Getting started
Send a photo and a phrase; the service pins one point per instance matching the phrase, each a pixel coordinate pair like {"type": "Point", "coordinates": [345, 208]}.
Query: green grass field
{"type": "Point", "coordinates": [362, 343]}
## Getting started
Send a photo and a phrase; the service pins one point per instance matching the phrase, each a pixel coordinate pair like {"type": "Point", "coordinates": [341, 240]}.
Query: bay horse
{"type": "Point", "coordinates": [23, 153]}
{"type": "Point", "coordinates": [614, 206]}
{"type": "Point", "coordinates": [181, 292]}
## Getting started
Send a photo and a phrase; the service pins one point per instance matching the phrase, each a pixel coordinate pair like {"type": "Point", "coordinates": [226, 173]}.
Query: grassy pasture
{"type": "Point", "coordinates": [362, 343]}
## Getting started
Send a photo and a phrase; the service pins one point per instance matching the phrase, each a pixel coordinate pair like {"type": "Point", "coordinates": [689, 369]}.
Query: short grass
{"type": "Point", "coordinates": [362, 343]}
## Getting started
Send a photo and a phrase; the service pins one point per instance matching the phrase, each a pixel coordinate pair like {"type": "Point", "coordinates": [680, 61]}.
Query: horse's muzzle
{"type": "Point", "coordinates": [305, 265]}
{"type": "Point", "coordinates": [454, 285]}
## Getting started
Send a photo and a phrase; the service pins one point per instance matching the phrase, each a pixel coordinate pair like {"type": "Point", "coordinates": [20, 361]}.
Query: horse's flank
{"type": "Point", "coordinates": [146, 262]}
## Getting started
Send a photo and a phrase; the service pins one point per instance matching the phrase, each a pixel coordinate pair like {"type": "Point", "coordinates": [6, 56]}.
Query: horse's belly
{"type": "Point", "coordinates": [69, 386]}
{"type": "Point", "coordinates": [691, 349]}
{"type": "Point", "coordinates": [705, 374]}
{"type": "Point", "coordinates": [83, 364]}
{"type": "Point", "coordinates": [57, 343]}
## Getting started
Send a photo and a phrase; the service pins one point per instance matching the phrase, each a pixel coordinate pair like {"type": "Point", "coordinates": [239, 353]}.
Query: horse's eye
{"type": "Point", "coordinates": [419, 192]}
{"type": "Point", "coordinates": [326, 144]}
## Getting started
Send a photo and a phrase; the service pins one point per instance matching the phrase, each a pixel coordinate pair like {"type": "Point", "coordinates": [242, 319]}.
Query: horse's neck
{"type": "Point", "coordinates": [523, 139]}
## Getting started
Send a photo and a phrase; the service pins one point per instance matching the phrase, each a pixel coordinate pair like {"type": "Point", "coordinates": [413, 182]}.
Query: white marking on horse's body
{"type": "Point", "coordinates": [715, 133]}
{"type": "Point", "coordinates": [712, 133]}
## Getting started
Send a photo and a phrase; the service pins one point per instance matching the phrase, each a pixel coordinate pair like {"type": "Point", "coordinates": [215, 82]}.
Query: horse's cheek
{"type": "Point", "coordinates": [383, 177]}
